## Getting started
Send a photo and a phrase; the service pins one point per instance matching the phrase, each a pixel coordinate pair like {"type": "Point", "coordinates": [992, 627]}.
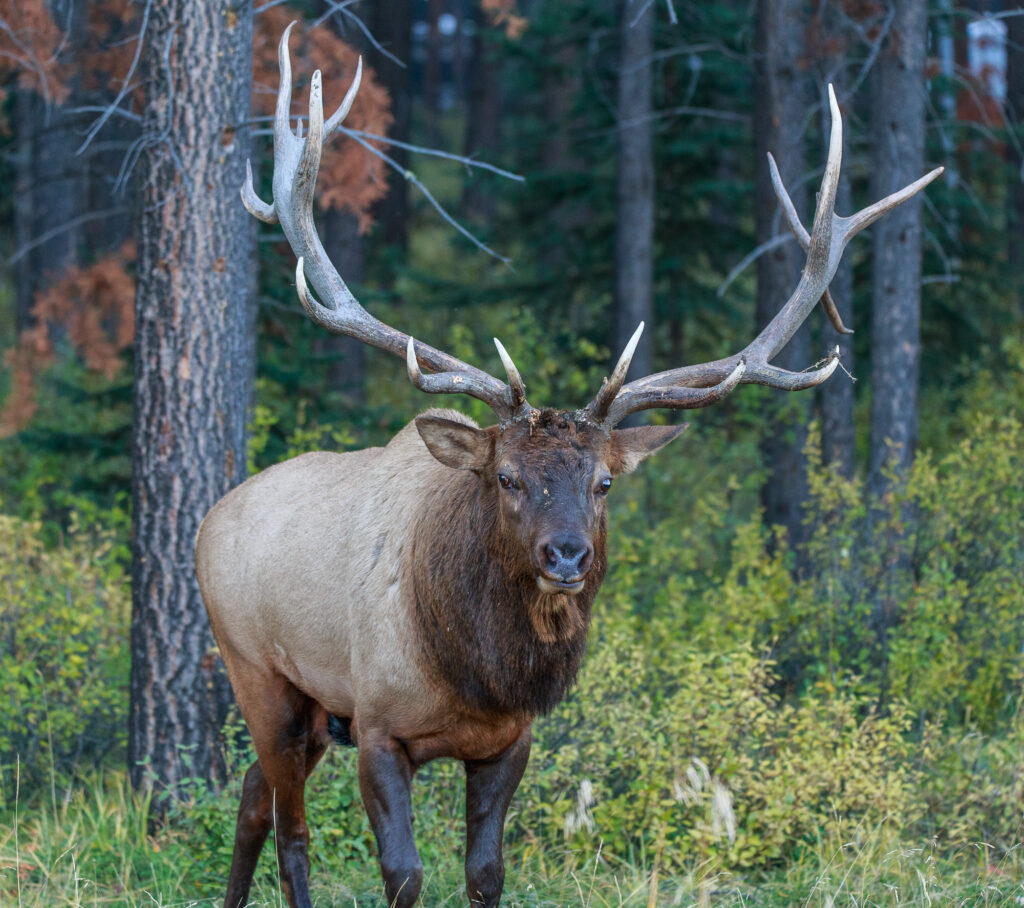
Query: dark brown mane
{"type": "Point", "coordinates": [485, 630]}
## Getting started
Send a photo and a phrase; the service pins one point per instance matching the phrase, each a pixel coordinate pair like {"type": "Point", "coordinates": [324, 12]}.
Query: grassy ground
{"type": "Point", "coordinates": [88, 845]}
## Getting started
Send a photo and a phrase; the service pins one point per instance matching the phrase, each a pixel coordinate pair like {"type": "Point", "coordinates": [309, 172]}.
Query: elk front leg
{"type": "Point", "coordinates": [490, 785]}
{"type": "Point", "coordinates": [385, 780]}
{"type": "Point", "coordinates": [289, 734]}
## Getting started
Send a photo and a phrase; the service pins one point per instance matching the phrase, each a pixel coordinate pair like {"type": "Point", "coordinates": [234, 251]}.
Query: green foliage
{"type": "Point", "coordinates": [690, 755]}
{"type": "Point", "coordinates": [918, 597]}
{"type": "Point", "coordinates": [922, 595]}
{"type": "Point", "coordinates": [76, 448]}
{"type": "Point", "coordinates": [63, 647]}
{"type": "Point", "coordinates": [92, 847]}
{"type": "Point", "coordinates": [732, 717]}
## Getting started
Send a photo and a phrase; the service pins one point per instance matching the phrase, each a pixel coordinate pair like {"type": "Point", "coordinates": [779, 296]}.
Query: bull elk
{"type": "Point", "coordinates": [429, 598]}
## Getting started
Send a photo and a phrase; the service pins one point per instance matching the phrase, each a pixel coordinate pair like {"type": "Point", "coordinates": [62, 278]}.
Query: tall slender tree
{"type": "Point", "coordinates": [392, 25]}
{"type": "Point", "coordinates": [634, 199]}
{"type": "Point", "coordinates": [346, 247]}
{"type": "Point", "coordinates": [483, 123]}
{"type": "Point", "coordinates": [194, 355]}
{"type": "Point", "coordinates": [1015, 109]}
{"type": "Point", "coordinates": [897, 157]}
{"type": "Point", "coordinates": [781, 113]}
{"type": "Point", "coordinates": [50, 191]}
{"type": "Point", "coordinates": [836, 36]}
{"type": "Point", "coordinates": [838, 434]}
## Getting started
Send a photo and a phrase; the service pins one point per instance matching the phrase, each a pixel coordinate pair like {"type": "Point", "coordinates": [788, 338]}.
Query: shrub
{"type": "Point", "coordinates": [689, 753]}
{"type": "Point", "coordinates": [64, 613]}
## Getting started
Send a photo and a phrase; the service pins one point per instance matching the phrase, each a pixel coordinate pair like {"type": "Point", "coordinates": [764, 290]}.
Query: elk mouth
{"type": "Point", "coordinates": [551, 586]}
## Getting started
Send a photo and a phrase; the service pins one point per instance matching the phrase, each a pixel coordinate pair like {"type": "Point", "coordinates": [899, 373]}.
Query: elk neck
{"type": "Point", "coordinates": [487, 631]}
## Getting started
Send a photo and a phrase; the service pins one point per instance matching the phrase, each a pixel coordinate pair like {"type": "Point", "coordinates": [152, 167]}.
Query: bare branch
{"type": "Point", "coordinates": [48, 235]}
{"type": "Point", "coordinates": [98, 125]}
{"type": "Point", "coordinates": [415, 181]}
{"type": "Point", "coordinates": [342, 8]}
{"type": "Point", "coordinates": [749, 260]}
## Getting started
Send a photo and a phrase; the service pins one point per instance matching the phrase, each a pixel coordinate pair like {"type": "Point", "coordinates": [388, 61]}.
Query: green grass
{"type": "Point", "coordinates": [88, 845]}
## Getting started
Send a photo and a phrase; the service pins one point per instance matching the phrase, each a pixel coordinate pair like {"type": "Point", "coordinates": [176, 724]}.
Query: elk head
{"type": "Point", "coordinates": [547, 476]}
{"type": "Point", "coordinates": [548, 470]}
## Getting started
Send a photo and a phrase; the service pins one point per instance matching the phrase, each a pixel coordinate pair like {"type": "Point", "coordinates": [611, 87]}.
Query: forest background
{"type": "Point", "coordinates": [804, 677]}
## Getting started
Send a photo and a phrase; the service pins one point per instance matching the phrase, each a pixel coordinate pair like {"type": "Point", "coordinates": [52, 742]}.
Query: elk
{"type": "Point", "coordinates": [430, 598]}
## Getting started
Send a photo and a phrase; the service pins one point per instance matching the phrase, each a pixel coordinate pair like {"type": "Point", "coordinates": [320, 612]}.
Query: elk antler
{"type": "Point", "coordinates": [296, 163]}
{"type": "Point", "coordinates": [691, 387]}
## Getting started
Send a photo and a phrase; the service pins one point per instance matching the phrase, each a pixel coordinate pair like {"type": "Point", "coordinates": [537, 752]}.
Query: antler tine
{"type": "Point", "coordinates": [253, 203]}
{"type": "Point", "coordinates": [296, 164]}
{"type": "Point", "coordinates": [674, 398]}
{"type": "Point", "coordinates": [599, 407]}
{"type": "Point", "coordinates": [250, 199]}
{"type": "Point", "coordinates": [804, 239]}
{"type": "Point", "coordinates": [865, 218]}
{"type": "Point", "coordinates": [350, 96]}
{"type": "Point", "coordinates": [704, 383]}
{"type": "Point", "coordinates": [282, 112]}
{"type": "Point", "coordinates": [516, 387]}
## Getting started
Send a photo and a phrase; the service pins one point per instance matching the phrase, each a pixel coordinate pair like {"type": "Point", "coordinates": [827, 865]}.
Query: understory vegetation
{"type": "Point", "coordinates": [753, 725]}
{"type": "Point", "coordinates": [839, 723]}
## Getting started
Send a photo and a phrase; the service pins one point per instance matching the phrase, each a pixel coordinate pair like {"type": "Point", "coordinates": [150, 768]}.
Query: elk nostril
{"type": "Point", "coordinates": [550, 556]}
{"type": "Point", "coordinates": [586, 559]}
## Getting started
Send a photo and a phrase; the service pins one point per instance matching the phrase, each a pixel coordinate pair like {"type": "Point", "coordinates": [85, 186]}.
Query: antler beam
{"type": "Point", "coordinates": [296, 164]}
{"type": "Point", "coordinates": [698, 385]}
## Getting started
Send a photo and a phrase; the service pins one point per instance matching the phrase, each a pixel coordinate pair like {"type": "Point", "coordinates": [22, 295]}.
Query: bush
{"type": "Point", "coordinates": [919, 596]}
{"type": "Point", "coordinates": [684, 754]}
{"type": "Point", "coordinates": [64, 617]}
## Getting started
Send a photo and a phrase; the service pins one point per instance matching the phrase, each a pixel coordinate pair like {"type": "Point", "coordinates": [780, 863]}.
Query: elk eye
{"type": "Point", "coordinates": [604, 486]}
{"type": "Point", "coordinates": [507, 482]}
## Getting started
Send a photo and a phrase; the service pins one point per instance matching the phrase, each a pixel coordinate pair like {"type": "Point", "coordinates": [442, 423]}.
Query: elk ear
{"type": "Point", "coordinates": [455, 444]}
{"type": "Point", "coordinates": [632, 446]}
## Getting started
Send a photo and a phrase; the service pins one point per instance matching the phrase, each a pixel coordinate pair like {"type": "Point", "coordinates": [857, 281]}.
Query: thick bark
{"type": "Point", "coordinates": [193, 373]}
{"type": "Point", "coordinates": [392, 26]}
{"type": "Point", "coordinates": [897, 158]}
{"type": "Point", "coordinates": [781, 111]}
{"type": "Point", "coordinates": [634, 200]}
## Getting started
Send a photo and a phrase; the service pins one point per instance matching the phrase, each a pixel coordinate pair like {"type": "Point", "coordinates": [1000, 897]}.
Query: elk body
{"type": "Point", "coordinates": [429, 598]}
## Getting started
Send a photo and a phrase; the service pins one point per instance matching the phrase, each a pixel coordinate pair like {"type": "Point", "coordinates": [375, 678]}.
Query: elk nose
{"type": "Point", "coordinates": [568, 558]}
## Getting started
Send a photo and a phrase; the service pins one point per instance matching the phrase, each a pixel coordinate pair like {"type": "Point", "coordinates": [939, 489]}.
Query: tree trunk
{"type": "Point", "coordinates": [1015, 107]}
{"type": "Point", "coordinates": [897, 158]}
{"type": "Point", "coordinates": [51, 178]}
{"type": "Point", "coordinates": [392, 24]}
{"type": "Point", "coordinates": [27, 105]}
{"type": "Point", "coordinates": [432, 67]}
{"type": "Point", "coordinates": [634, 220]}
{"type": "Point", "coordinates": [193, 373]}
{"type": "Point", "coordinates": [482, 115]}
{"type": "Point", "coordinates": [781, 110]}
{"type": "Point", "coordinates": [838, 434]}
{"type": "Point", "coordinates": [346, 248]}
{"type": "Point", "coordinates": [346, 370]}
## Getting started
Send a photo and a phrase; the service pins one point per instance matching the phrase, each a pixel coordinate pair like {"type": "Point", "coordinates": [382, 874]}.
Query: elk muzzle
{"type": "Point", "coordinates": [563, 562]}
